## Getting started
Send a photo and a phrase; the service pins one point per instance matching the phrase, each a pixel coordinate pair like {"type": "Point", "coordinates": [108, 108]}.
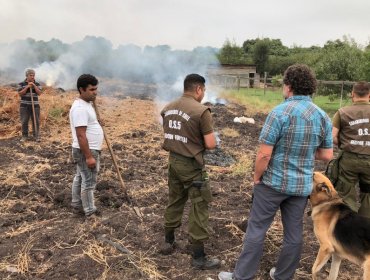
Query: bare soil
{"type": "Point", "coordinates": [40, 238]}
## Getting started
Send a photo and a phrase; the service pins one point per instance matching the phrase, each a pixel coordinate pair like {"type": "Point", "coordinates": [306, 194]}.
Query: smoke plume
{"type": "Point", "coordinates": [157, 69]}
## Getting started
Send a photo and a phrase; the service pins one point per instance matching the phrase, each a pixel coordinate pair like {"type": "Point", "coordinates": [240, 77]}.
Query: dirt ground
{"type": "Point", "coordinates": [40, 238]}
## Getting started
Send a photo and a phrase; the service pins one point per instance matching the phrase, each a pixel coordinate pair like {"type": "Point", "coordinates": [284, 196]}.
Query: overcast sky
{"type": "Point", "coordinates": [186, 24]}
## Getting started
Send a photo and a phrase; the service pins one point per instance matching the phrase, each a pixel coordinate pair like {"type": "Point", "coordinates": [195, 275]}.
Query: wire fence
{"type": "Point", "coordinates": [333, 90]}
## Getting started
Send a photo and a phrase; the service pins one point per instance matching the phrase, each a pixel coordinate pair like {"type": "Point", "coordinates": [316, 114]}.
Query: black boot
{"type": "Point", "coordinates": [200, 260]}
{"type": "Point", "coordinates": [168, 245]}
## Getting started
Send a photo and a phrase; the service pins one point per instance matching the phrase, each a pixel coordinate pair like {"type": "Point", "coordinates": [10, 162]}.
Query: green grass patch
{"type": "Point", "coordinates": [257, 99]}
{"type": "Point", "coordinates": [56, 113]}
{"type": "Point", "coordinates": [329, 104]}
{"type": "Point", "coordinates": [264, 101]}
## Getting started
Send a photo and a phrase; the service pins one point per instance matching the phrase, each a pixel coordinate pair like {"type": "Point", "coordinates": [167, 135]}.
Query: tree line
{"type": "Point", "coordinates": [341, 59]}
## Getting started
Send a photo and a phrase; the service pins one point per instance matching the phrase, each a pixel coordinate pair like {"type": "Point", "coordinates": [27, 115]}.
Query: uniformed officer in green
{"type": "Point", "coordinates": [188, 132]}
{"type": "Point", "coordinates": [351, 132]}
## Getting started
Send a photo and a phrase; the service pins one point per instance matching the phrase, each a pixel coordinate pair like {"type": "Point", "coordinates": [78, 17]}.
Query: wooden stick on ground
{"type": "Point", "coordinates": [136, 209]}
{"type": "Point", "coordinates": [116, 245]}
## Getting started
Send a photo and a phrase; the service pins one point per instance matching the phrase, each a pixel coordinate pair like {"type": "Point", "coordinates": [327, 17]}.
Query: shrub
{"type": "Point", "coordinates": [56, 113]}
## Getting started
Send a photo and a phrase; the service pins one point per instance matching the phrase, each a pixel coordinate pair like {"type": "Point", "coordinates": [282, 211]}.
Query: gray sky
{"type": "Point", "coordinates": [186, 24]}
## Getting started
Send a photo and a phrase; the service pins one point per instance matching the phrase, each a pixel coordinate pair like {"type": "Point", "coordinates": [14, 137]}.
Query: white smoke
{"type": "Point", "coordinates": [59, 65]}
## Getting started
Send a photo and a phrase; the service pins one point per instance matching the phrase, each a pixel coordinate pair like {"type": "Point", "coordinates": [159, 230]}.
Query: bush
{"type": "Point", "coordinates": [56, 113]}
{"type": "Point", "coordinates": [277, 81]}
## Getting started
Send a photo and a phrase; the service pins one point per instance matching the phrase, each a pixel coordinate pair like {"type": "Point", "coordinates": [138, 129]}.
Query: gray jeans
{"type": "Point", "coordinates": [84, 181]}
{"type": "Point", "coordinates": [266, 202]}
{"type": "Point", "coordinates": [25, 115]}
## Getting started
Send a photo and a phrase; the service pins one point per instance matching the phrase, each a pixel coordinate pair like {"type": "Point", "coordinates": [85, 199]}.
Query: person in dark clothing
{"type": "Point", "coordinates": [29, 91]}
{"type": "Point", "coordinates": [188, 132]}
{"type": "Point", "coordinates": [351, 132]}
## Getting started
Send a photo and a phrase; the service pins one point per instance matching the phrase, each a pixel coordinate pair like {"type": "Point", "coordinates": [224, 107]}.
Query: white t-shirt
{"type": "Point", "coordinates": [82, 113]}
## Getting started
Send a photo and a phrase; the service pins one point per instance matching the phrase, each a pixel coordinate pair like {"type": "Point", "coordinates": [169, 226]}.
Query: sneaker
{"type": "Point", "coordinates": [78, 211]}
{"type": "Point", "coordinates": [205, 263]}
{"type": "Point", "coordinates": [24, 139]}
{"type": "Point", "coordinates": [166, 248]}
{"type": "Point", "coordinates": [223, 275]}
{"type": "Point", "coordinates": [38, 139]}
{"type": "Point", "coordinates": [93, 215]}
{"type": "Point", "coordinates": [272, 273]}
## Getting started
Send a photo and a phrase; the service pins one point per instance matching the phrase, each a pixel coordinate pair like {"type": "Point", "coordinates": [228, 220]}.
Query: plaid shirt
{"type": "Point", "coordinates": [296, 128]}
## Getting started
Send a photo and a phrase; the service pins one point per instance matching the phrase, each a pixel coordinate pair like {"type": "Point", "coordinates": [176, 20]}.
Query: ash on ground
{"type": "Point", "coordinates": [218, 157]}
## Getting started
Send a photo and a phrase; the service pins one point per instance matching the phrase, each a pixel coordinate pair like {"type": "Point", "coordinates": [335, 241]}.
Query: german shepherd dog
{"type": "Point", "coordinates": [341, 232]}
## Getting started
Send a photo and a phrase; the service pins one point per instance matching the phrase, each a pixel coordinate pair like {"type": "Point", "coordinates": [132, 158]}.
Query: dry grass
{"type": "Point", "coordinates": [141, 261]}
{"type": "Point", "coordinates": [230, 132]}
{"type": "Point", "coordinates": [23, 258]}
{"type": "Point", "coordinates": [96, 252]}
{"type": "Point", "coordinates": [146, 265]}
{"type": "Point", "coordinates": [243, 166]}
{"type": "Point", "coordinates": [27, 227]}
{"type": "Point", "coordinates": [11, 178]}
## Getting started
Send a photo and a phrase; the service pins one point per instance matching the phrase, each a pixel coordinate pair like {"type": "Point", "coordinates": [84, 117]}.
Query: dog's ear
{"type": "Point", "coordinates": [322, 187]}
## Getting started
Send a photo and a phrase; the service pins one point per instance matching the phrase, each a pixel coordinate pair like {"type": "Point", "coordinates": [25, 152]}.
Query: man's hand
{"type": "Point", "coordinates": [91, 162]}
{"type": "Point", "coordinates": [256, 182]}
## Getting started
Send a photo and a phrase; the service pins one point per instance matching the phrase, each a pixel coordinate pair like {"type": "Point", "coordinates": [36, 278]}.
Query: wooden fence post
{"type": "Point", "coordinates": [341, 95]}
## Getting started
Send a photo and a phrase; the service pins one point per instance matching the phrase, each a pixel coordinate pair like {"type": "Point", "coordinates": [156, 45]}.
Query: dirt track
{"type": "Point", "coordinates": [41, 239]}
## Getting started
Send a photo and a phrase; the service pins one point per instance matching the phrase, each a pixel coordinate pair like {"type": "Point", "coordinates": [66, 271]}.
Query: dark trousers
{"type": "Point", "coordinates": [355, 169]}
{"type": "Point", "coordinates": [266, 203]}
{"type": "Point", "coordinates": [25, 115]}
{"type": "Point", "coordinates": [182, 172]}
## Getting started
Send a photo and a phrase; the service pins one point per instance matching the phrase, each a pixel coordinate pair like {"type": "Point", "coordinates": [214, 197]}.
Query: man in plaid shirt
{"type": "Point", "coordinates": [295, 133]}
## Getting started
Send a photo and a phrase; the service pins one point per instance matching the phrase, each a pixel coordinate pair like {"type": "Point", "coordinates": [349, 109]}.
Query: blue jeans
{"type": "Point", "coordinates": [25, 115]}
{"type": "Point", "coordinates": [266, 203]}
{"type": "Point", "coordinates": [84, 182]}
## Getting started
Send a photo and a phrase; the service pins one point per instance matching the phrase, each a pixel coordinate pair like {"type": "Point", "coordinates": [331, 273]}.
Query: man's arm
{"type": "Point", "coordinates": [35, 88]}
{"type": "Point", "coordinates": [210, 141]}
{"type": "Point", "coordinates": [335, 134]}
{"type": "Point", "coordinates": [262, 159]}
{"type": "Point", "coordinates": [23, 90]}
{"type": "Point", "coordinates": [84, 146]}
{"type": "Point", "coordinates": [324, 154]}
{"type": "Point", "coordinates": [31, 85]}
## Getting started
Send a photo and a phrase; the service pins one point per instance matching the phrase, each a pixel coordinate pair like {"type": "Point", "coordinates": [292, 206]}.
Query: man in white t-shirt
{"type": "Point", "coordinates": [87, 137]}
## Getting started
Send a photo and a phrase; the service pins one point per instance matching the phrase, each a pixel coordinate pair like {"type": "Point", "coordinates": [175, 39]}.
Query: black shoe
{"type": "Point", "coordinates": [205, 263]}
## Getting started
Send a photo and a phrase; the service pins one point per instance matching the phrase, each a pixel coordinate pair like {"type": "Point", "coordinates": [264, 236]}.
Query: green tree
{"type": "Point", "coordinates": [261, 56]}
{"type": "Point", "coordinates": [230, 53]}
{"type": "Point", "coordinates": [248, 45]}
{"type": "Point", "coordinates": [366, 67]}
{"type": "Point", "coordinates": [341, 60]}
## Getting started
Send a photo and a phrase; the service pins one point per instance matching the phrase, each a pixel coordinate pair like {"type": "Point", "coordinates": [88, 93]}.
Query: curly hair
{"type": "Point", "coordinates": [85, 80]}
{"type": "Point", "coordinates": [301, 79]}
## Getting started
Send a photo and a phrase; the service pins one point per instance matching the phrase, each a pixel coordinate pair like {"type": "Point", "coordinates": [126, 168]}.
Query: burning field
{"type": "Point", "coordinates": [40, 238]}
